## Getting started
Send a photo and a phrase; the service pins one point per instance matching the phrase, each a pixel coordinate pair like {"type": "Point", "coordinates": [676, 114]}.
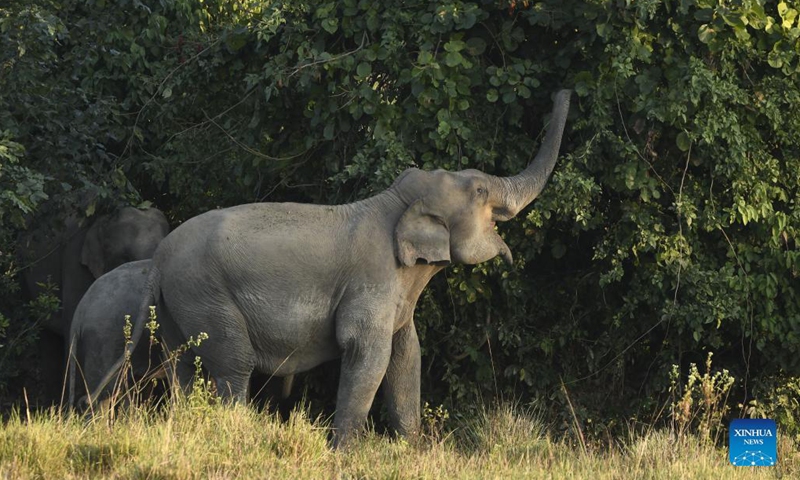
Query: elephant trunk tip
{"type": "Point", "coordinates": [563, 95]}
{"type": "Point", "coordinates": [507, 257]}
{"type": "Point", "coordinates": [527, 185]}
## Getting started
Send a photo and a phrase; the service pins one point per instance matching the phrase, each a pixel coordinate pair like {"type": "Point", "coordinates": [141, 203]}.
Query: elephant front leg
{"type": "Point", "coordinates": [365, 357]}
{"type": "Point", "coordinates": [401, 386]}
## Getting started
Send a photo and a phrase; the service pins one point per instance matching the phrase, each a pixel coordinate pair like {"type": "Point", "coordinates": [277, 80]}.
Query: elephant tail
{"type": "Point", "coordinates": [71, 359]}
{"type": "Point", "coordinates": [152, 291]}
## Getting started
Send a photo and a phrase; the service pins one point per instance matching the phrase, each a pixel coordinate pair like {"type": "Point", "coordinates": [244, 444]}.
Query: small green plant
{"type": "Point", "coordinates": [203, 394]}
{"type": "Point", "coordinates": [190, 343]}
{"type": "Point", "coordinates": [700, 405]}
{"type": "Point", "coordinates": [127, 330]}
{"type": "Point", "coordinates": [124, 390]}
{"type": "Point", "coordinates": [133, 391]}
{"type": "Point", "coordinates": [434, 420]}
{"type": "Point", "coordinates": [152, 325]}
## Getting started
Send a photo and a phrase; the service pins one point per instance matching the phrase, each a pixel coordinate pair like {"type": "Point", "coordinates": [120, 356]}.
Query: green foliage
{"type": "Point", "coordinates": [778, 399]}
{"type": "Point", "coordinates": [700, 405]}
{"type": "Point", "coordinates": [21, 190]}
{"type": "Point", "coordinates": [434, 421]}
{"type": "Point", "coordinates": [669, 228]}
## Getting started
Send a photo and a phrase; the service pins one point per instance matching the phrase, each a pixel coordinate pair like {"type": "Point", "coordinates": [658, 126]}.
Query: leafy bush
{"type": "Point", "coordinates": [669, 228]}
{"type": "Point", "coordinates": [778, 399]}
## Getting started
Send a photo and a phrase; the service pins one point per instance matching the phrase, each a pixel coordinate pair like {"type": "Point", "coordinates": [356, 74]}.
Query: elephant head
{"type": "Point", "coordinates": [451, 215]}
{"type": "Point", "coordinates": [126, 235]}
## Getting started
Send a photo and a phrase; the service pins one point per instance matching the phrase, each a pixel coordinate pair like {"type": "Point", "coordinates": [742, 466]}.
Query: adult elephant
{"type": "Point", "coordinates": [71, 259]}
{"type": "Point", "coordinates": [82, 251]}
{"type": "Point", "coordinates": [283, 287]}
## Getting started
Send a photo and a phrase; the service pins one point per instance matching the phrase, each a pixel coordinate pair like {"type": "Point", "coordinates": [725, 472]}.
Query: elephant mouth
{"type": "Point", "coordinates": [501, 214]}
{"type": "Point", "coordinates": [502, 248]}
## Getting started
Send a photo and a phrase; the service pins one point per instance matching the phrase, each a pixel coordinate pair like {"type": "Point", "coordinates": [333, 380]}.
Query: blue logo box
{"type": "Point", "coordinates": [753, 442]}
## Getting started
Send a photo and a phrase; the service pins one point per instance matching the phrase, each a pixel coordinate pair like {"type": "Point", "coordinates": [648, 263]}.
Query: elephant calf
{"type": "Point", "coordinates": [96, 334]}
{"type": "Point", "coordinates": [72, 257]}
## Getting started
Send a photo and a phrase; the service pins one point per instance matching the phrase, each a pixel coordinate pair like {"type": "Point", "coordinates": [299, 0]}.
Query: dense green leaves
{"type": "Point", "coordinates": [669, 227]}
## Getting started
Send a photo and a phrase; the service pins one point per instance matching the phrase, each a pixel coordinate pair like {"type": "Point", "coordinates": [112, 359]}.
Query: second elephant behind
{"type": "Point", "coordinates": [70, 253]}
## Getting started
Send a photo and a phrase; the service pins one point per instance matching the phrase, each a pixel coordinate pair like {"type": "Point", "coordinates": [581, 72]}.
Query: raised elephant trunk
{"type": "Point", "coordinates": [523, 188]}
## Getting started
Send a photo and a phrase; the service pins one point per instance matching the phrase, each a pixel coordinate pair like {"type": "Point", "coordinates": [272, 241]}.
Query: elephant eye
{"type": "Point", "coordinates": [481, 190]}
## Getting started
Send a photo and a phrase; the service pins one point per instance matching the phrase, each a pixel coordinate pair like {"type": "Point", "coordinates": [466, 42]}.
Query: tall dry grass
{"type": "Point", "coordinates": [186, 441]}
{"type": "Point", "coordinates": [197, 436]}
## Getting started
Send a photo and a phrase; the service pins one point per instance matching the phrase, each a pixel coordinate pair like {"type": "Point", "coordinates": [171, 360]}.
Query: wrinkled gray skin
{"type": "Point", "coordinates": [96, 334]}
{"type": "Point", "coordinates": [283, 287]}
{"type": "Point", "coordinates": [71, 260]}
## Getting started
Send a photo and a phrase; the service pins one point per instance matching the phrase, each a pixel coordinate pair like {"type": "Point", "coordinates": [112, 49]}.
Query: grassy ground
{"type": "Point", "coordinates": [202, 441]}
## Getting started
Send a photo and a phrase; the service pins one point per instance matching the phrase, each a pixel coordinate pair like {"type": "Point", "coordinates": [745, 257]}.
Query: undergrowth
{"type": "Point", "coordinates": [195, 435]}
{"type": "Point", "coordinates": [235, 441]}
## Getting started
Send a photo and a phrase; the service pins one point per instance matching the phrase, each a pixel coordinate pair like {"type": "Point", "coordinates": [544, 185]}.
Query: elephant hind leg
{"type": "Point", "coordinates": [233, 387]}
{"type": "Point", "coordinates": [230, 384]}
{"type": "Point", "coordinates": [230, 360]}
{"type": "Point", "coordinates": [227, 353]}
{"type": "Point", "coordinates": [286, 388]}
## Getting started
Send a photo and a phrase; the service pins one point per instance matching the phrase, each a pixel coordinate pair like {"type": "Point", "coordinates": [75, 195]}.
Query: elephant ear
{"type": "Point", "coordinates": [92, 253]}
{"type": "Point", "coordinates": [422, 235]}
